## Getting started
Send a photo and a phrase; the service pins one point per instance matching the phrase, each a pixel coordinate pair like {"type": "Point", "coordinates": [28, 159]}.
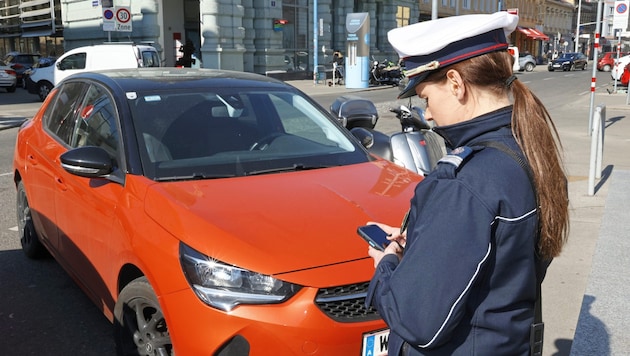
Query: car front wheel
{"type": "Point", "coordinates": [529, 67]}
{"type": "Point", "coordinates": [139, 324]}
{"type": "Point", "coordinates": [31, 246]}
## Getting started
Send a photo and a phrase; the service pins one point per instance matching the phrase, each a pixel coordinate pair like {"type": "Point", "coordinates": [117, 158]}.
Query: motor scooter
{"type": "Point", "coordinates": [416, 147]}
{"type": "Point", "coordinates": [385, 73]}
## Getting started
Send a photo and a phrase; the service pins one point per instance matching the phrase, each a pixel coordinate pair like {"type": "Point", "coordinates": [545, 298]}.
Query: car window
{"type": "Point", "coordinates": [97, 123]}
{"type": "Point", "coordinates": [150, 59]}
{"type": "Point", "coordinates": [61, 120]}
{"type": "Point", "coordinates": [73, 61]}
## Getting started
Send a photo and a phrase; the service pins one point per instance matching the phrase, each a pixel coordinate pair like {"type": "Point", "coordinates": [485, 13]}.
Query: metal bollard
{"type": "Point", "coordinates": [597, 147]}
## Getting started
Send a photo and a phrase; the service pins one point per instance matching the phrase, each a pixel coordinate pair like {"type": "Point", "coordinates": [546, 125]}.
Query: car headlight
{"type": "Point", "coordinates": [224, 286]}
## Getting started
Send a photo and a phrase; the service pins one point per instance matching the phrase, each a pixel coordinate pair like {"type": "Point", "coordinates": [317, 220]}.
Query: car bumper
{"type": "Point", "coordinates": [7, 81]}
{"type": "Point", "coordinates": [295, 327]}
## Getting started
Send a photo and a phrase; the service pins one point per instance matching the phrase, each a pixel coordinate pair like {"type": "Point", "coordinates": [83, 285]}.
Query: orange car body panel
{"type": "Point", "coordinates": [299, 227]}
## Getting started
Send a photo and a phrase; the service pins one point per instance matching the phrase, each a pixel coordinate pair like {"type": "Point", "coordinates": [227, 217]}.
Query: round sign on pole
{"type": "Point", "coordinates": [123, 15]}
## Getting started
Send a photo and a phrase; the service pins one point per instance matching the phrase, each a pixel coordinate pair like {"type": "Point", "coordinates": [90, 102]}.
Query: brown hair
{"type": "Point", "coordinates": [537, 137]}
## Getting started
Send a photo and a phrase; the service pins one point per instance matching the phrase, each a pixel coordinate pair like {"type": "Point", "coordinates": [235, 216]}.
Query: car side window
{"type": "Point", "coordinates": [73, 61]}
{"type": "Point", "coordinates": [61, 120]}
{"type": "Point", "coordinates": [97, 123]}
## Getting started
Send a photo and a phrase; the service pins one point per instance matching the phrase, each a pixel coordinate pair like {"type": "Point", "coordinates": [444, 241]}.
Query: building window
{"type": "Point", "coordinates": [403, 14]}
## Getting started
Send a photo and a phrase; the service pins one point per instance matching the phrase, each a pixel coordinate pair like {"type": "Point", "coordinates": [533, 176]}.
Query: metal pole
{"type": "Point", "coordinates": [434, 9]}
{"type": "Point", "coordinates": [597, 31]}
{"type": "Point", "coordinates": [577, 28]}
{"type": "Point", "coordinates": [315, 23]}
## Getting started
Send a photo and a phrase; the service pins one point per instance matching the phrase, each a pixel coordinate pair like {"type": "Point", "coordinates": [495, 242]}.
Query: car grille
{"type": "Point", "coordinates": [346, 304]}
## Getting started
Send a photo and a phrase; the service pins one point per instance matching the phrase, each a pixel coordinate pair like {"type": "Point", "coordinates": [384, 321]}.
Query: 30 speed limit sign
{"type": "Point", "coordinates": [123, 19]}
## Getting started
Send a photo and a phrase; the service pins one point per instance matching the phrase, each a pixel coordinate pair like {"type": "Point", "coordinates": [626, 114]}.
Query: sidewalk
{"type": "Point", "coordinates": [586, 287]}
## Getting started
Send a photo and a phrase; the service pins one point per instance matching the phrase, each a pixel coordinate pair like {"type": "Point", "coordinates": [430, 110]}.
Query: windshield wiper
{"type": "Point", "coordinates": [295, 167]}
{"type": "Point", "coordinates": [194, 176]}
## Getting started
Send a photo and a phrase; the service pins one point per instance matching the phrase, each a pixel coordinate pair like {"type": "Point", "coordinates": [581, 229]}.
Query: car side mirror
{"type": "Point", "coordinates": [87, 161]}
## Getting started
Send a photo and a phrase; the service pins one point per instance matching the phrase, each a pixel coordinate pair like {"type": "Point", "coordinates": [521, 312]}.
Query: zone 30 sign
{"type": "Point", "coordinates": [117, 19]}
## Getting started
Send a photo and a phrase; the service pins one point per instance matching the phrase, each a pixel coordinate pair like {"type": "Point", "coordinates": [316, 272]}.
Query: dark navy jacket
{"type": "Point", "coordinates": [466, 284]}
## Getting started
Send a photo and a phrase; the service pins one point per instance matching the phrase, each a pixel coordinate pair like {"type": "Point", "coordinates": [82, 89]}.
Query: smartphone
{"type": "Point", "coordinates": [374, 235]}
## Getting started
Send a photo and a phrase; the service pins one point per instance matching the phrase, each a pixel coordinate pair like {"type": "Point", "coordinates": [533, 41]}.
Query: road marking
{"type": "Point", "coordinates": [5, 174]}
{"type": "Point", "coordinates": [15, 228]}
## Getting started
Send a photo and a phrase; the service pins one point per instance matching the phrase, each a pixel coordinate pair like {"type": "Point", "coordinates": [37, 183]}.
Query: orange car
{"type": "Point", "coordinates": [207, 212]}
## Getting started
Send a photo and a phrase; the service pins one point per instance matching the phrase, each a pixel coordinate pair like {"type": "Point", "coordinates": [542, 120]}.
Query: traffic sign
{"type": "Point", "coordinates": [109, 24]}
{"type": "Point", "coordinates": [620, 17]}
{"type": "Point", "coordinates": [123, 19]}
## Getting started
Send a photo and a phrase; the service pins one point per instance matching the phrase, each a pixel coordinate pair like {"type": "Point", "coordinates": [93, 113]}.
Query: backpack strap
{"type": "Point", "coordinates": [537, 328]}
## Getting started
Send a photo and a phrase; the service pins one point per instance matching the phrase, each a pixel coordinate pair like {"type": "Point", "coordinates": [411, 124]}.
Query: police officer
{"type": "Point", "coordinates": [464, 275]}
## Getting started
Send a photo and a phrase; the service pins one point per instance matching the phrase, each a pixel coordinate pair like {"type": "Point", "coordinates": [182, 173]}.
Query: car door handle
{"type": "Point", "coordinates": [62, 185]}
{"type": "Point", "coordinates": [31, 159]}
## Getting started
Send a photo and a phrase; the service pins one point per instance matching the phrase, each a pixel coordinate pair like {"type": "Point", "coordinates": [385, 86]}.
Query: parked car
{"type": "Point", "coordinates": [42, 63]}
{"type": "Point", "coordinates": [617, 69]}
{"type": "Point", "coordinates": [90, 58]}
{"type": "Point", "coordinates": [526, 62]}
{"type": "Point", "coordinates": [207, 212]}
{"type": "Point", "coordinates": [353, 111]}
{"type": "Point", "coordinates": [20, 62]}
{"type": "Point", "coordinates": [606, 60]}
{"type": "Point", "coordinates": [8, 79]}
{"type": "Point", "coordinates": [568, 61]}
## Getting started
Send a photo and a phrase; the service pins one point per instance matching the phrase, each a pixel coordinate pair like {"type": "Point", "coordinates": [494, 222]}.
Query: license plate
{"type": "Point", "coordinates": [375, 343]}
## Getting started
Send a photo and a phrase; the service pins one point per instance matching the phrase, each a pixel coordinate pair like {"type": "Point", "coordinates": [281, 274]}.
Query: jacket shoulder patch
{"type": "Point", "coordinates": [456, 156]}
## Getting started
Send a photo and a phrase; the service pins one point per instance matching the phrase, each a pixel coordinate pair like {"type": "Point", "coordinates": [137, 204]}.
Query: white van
{"type": "Point", "coordinates": [89, 58]}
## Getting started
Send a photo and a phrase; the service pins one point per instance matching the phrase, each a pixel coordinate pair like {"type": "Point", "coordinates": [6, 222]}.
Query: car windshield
{"type": "Point", "coordinates": [229, 132]}
{"type": "Point", "coordinates": [568, 56]}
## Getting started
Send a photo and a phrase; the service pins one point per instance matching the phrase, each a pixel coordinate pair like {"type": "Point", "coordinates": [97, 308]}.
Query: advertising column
{"type": "Point", "coordinates": [358, 50]}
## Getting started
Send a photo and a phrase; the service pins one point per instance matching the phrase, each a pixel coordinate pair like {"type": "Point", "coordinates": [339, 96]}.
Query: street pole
{"type": "Point", "coordinates": [595, 53]}
{"type": "Point", "coordinates": [315, 45]}
{"type": "Point", "coordinates": [577, 28]}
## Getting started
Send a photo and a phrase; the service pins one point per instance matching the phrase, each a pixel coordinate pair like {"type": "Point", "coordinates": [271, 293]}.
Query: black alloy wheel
{"type": "Point", "coordinates": [139, 324]}
{"type": "Point", "coordinates": [31, 246]}
{"type": "Point", "coordinates": [43, 90]}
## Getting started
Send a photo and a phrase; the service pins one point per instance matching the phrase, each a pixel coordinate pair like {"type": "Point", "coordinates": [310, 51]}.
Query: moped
{"type": "Point", "coordinates": [416, 147]}
{"type": "Point", "coordinates": [385, 73]}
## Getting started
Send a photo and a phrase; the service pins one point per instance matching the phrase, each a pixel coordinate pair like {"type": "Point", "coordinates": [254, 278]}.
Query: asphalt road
{"type": "Point", "coordinates": [43, 312]}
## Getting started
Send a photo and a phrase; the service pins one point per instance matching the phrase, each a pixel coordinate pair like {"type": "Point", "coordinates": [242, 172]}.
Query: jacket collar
{"type": "Point", "coordinates": [461, 134]}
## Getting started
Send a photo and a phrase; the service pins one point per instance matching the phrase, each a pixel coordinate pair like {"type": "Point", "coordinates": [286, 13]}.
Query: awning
{"type": "Point", "coordinates": [533, 33]}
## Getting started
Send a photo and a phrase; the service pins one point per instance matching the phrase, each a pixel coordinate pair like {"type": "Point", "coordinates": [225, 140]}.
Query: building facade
{"type": "Point", "coordinates": [261, 36]}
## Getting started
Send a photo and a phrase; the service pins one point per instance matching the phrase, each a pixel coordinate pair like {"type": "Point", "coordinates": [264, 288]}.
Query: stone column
{"type": "Point", "coordinates": [222, 34]}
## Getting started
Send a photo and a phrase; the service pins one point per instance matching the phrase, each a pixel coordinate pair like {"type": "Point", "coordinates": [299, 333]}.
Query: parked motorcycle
{"type": "Point", "coordinates": [385, 73]}
{"type": "Point", "coordinates": [415, 147]}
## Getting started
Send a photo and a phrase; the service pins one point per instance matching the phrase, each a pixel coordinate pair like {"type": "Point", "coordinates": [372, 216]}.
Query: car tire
{"type": "Point", "coordinates": [529, 67]}
{"type": "Point", "coordinates": [43, 89]}
{"type": "Point", "coordinates": [550, 69]}
{"type": "Point", "coordinates": [137, 302]}
{"type": "Point", "coordinates": [31, 246]}
{"type": "Point", "coordinates": [584, 67]}
{"type": "Point", "coordinates": [11, 89]}
{"type": "Point", "coordinates": [606, 68]}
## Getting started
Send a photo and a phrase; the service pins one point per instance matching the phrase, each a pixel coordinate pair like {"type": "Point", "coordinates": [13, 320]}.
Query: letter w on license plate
{"type": "Point", "coordinates": [375, 343]}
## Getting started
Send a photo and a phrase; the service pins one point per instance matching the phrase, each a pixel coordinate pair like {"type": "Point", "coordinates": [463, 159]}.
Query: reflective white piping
{"type": "Point", "coordinates": [459, 299]}
{"type": "Point", "coordinates": [517, 218]}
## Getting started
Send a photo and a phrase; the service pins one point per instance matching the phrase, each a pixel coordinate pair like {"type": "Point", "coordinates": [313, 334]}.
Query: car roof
{"type": "Point", "coordinates": [156, 78]}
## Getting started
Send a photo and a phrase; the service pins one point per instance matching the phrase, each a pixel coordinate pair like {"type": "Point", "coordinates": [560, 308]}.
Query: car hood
{"type": "Point", "coordinates": [283, 222]}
